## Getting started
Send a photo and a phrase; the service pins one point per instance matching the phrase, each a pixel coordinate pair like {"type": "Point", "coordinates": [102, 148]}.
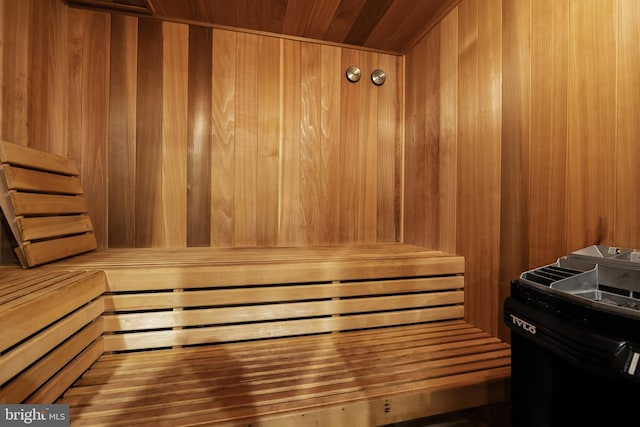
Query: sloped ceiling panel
{"type": "Point", "coordinates": [386, 25]}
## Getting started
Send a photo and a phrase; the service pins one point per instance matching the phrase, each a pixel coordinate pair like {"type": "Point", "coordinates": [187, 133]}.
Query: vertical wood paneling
{"type": "Point", "coordinates": [22, 77]}
{"type": "Point", "coordinates": [199, 154]}
{"type": "Point", "coordinates": [174, 135]}
{"type": "Point", "coordinates": [627, 208]}
{"type": "Point", "coordinates": [57, 77]}
{"type": "Point", "coordinates": [548, 149]}
{"type": "Point", "coordinates": [290, 141]}
{"type": "Point", "coordinates": [223, 138]}
{"type": "Point", "coordinates": [189, 136]}
{"type": "Point", "coordinates": [430, 134]}
{"type": "Point", "coordinates": [312, 177]}
{"type": "Point", "coordinates": [465, 190]}
{"type": "Point", "coordinates": [485, 271]}
{"type": "Point", "coordinates": [37, 95]}
{"type": "Point", "coordinates": [398, 155]}
{"type": "Point", "coordinates": [516, 106]}
{"type": "Point", "coordinates": [268, 179]}
{"type": "Point", "coordinates": [95, 116]}
{"type": "Point", "coordinates": [592, 130]}
{"type": "Point", "coordinates": [122, 131]}
{"type": "Point", "coordinates": [246, 142]}
{"type": "Point", "coordinates": [388, 110]}
{"type": "Point", "coordinates": [415, 209]}
{"type": "Point", "coordinates": [368, 153]}
{"type": "Point", "coordinates": [6, 254]}
{"type": "Point", "coordinates": [467, 195]}
{"type": "Point", "coordinates": [425, 144]}
{"type": "Point", "coordinates": [329, 160]}
{"type": "Point", "coordinates": [351, 145]}
{"type": "Point", "coordinates": [448, 147]}
{"type": "Point", "coordinates": [3, 52]}
{"type": "Point", "coordinates": [149, 134]}
{"type": "Point", "coordinates": [15, 70]}
{"type": "Point", "coordinates": [555, 84]}
{"type": "Point", "coordinates": [75, 56]}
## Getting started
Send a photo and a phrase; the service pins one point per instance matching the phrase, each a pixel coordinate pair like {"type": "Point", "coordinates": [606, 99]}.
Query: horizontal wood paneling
{"type": "Point", "coordinates": [190, 136]}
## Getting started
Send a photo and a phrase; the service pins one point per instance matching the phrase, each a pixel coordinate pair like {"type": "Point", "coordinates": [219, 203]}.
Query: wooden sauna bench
{"type": "Point", "coordinates": [348, 335]}
{"type": "Point", "coordinates": [51, 331]}
{"type": "Point", "coordinates": [331, 336]}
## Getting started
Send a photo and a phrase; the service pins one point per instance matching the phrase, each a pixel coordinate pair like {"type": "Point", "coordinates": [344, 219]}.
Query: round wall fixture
{"type": "Point", "coordinates": [378, 77]}
{"type": "Point", "coordinates": [353, 73]}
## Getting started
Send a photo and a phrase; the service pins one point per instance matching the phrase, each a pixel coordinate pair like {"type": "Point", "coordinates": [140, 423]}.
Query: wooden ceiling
{"type": "Point", "coordinates": [386, 25]}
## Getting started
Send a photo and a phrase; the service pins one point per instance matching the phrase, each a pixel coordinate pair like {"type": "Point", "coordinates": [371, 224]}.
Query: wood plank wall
{"type": "Point", "coordinates": [526, 112]}
{"type": "Point", "coordinates": [189, 136]}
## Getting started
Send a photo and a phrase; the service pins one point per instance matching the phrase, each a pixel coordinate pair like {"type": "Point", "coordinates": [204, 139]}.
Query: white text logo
{"type": "Point", "coordinates": [524, 325]}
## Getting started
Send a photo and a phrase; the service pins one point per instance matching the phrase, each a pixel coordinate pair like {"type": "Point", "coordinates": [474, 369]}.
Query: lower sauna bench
{"type": "Point", "coordinates": [354, 335]}
{"type": "Point", "coordinates": [347, 379]}
{"type": "Point", "coordinates": [51, 331]}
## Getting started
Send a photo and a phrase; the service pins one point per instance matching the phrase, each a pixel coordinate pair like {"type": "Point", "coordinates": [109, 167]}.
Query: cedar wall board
{"type": "Point", "coordinates": [541, 144]}
{"type": "Point", "coordinates": [193, 136]}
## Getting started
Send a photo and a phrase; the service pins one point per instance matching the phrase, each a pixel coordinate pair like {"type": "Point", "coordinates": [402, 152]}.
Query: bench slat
{"type": "Point", "coordinates": [60, 382]}
{"type": "Point", "coordinates": [451, 331]}
{"type": "Point", "coordinates": [168, 338]}
{"type": "Point", "coordinates": [130, 279]}
{"type": "Point", "coordinates": [30, 351]}
{"type": "Point", "coordinates": [45, 204]}
{"type": "Point", "coordinates": [29, 315]}
{"type": "Point", "coordinates": [31, 286]}
{"type": "Point", "coordinates": [44, 182]}
{"type": "Point", "coordinates": [45, 251]}
{"type": "Point", "coordinates": [266, 312]}
{"type": "Point", "coordinates": [114, 258]}
{"type": "Point", "coordinates": [31, 158]}
{"type": "Point", "coordinates": [35, 228]}
{"type": "Point", "coordinates": [324, 356]}
{"type": "Point", "coordinates": [19, 389]}
{"type": "Point", "coordinates": [160, 300]}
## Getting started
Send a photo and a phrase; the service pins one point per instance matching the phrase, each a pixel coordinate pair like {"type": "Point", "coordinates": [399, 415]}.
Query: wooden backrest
{"type": "Point", "coordinates": [51, 331]}
{"type": "Point", "coordinates": [43, 203]}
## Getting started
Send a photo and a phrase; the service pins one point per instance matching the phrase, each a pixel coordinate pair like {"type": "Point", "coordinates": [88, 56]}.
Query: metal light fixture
{"type": "Point", "coordinates": [353, 73]}
{"type": "Point", "coordinates": [378, 77]}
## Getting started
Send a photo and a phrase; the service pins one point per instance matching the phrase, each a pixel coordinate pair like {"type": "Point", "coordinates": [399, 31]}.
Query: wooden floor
{"type": "Point", "coordinates": [308, 377]}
